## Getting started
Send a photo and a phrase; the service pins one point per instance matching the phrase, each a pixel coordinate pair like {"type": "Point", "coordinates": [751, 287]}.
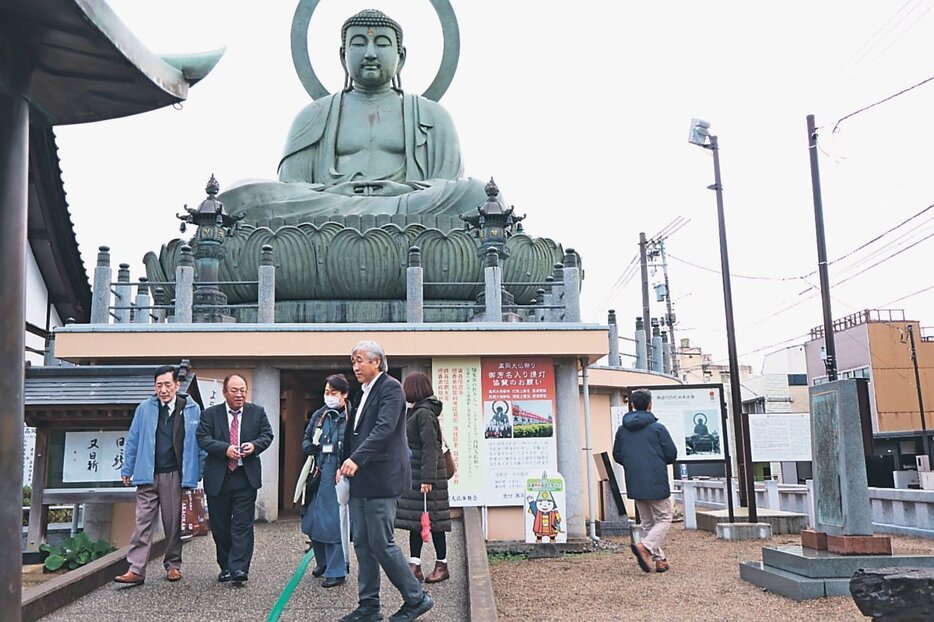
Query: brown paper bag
{"type": "Point", "coordinates": [194, 517]}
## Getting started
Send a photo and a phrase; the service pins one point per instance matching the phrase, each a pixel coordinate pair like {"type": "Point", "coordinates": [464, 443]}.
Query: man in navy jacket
{"type": "Point", "coordinates": [645, 449]}
{"type": "Point", "coordinates": [376, 459]}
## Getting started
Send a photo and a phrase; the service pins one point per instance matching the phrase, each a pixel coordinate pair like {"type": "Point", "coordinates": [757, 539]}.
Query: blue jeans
{"type": "Point", "coordinates": [372, 522]}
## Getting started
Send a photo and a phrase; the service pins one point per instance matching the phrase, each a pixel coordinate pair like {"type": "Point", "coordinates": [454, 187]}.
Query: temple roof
{"type": "Point", "coordinates": [88, 66]}
{"type": "Point", "coordinates": [99, 393]}
{"type": "Point", "coordinates": [51, 232]}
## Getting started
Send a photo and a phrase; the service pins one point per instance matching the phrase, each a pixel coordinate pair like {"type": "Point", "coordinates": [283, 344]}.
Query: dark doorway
{"type": "Point", "coordinates": [302, 393]}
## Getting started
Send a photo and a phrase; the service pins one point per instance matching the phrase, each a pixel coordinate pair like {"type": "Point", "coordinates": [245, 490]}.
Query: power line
{"type": "Point", "coordinates": [856, 55]}
{"type": "Point", "coordinates": [904, 32]}
{"type": "Point", "coordinates": [881, 101]}
{"type": "Point", "coordinates": [883, 260]}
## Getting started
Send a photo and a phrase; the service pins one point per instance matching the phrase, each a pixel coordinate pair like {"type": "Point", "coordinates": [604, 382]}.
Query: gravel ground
{"type": "Point", "coordinates": [702, 585]}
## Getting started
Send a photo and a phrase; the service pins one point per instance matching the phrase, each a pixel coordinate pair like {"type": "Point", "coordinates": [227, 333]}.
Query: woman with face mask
{"type": "Point", "coordinates": [321, 513]}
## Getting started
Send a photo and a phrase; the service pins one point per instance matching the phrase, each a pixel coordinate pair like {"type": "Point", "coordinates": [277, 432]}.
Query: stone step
{"type": "Point", "coordinates": [791, 585]}
{"type": "Point", "coordinates": [823, 564]}
{"type": "Point", "coordinates": [781, 522]}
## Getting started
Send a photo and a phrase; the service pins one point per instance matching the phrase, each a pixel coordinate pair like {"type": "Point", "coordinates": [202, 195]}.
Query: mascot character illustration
{"type": "Point", "coordinates": [547, 518]}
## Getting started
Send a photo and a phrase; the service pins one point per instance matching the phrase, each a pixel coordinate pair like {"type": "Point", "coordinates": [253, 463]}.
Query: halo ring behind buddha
{"type": "Point", "coordinates": [449, 56]}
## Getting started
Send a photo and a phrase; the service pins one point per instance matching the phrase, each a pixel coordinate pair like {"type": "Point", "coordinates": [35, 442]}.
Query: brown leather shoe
{"type": "Point", "coordinates": [130, 578]}
{"type": "Point", "coordinates": [642, 556]}
{"type": "Point", "coordinates": [440, 573]}
{"type": "Point", "coordinates": [417, 571]}
{"type": "Point", "coordinates": [173, 574]}
{"type": "Point", "coordinates": [661, 565]}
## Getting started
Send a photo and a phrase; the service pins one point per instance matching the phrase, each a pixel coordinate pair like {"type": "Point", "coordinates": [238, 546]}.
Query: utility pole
{"type": "Point", "coordinates": [914, 361]}
{"type": "Point", "coordinates": [646, 312]}
{"type": "Point", "coordinates": [830, 363]}
{"type": "Point", "coordinates": [670, 317]}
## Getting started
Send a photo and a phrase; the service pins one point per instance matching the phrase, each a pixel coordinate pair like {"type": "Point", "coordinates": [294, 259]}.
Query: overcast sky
{"type": "Point", "coordinates": [581, 112]}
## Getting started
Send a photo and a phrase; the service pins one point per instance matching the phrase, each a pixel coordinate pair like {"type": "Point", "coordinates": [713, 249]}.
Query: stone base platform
{"type": "Point", "coordinates": [802, 574]}
{"type": "Point", "coordinates": [744, 531]}
{"type": "Point", "coordinates": [613, 527]}
{"type": "Point", "coordinates": [781, 522]}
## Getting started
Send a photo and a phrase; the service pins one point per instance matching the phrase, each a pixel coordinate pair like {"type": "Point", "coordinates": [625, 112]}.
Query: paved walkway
{"type": "Point", "coordinates": [279, 550]}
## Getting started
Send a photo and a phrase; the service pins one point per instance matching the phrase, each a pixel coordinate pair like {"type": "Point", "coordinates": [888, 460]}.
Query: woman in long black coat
{"type": "Point", "coordinates": [429, 477]}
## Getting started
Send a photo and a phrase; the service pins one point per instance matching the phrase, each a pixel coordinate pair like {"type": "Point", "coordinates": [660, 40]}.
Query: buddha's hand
{"type": "Point", "coordinates": [372, 188]}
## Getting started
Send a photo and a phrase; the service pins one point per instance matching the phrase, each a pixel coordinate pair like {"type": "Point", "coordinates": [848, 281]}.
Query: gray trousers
{"type": "Point", "coordinates": [165, 494]}
{"type": "Point", "coordinates": [372, 522]}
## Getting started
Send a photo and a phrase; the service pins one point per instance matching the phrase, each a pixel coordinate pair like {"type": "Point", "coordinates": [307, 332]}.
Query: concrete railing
{"type": "Point", "coordinates": [903, 511]}
{"type": "Point", "coordinates": [894, 510]}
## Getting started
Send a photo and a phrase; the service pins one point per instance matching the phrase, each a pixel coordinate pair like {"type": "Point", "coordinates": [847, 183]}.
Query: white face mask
{"type": "Point", "coordinates": [332, 401]}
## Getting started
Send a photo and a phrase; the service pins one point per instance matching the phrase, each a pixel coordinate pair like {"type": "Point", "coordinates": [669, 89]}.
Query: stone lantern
{"type": "Point", "coordinates": [493, 222]}
{"type": "Point", "coordinates": [213, 225]}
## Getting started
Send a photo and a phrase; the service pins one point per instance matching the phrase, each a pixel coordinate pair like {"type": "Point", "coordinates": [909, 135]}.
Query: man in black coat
{"type": "Point", "coordinates": [375, 457]}
{"type": "Point", "coordinates": [645, 449]}
{"type": "Point", "coordinates": [234, 434]}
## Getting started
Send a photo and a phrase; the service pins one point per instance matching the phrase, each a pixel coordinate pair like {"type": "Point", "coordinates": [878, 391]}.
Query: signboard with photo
{"type": "Point", "coordinates": [518, 424]}
{"type": "Point", "coordinates": [544, 504]}
{"type": "Point", "coordinates": [693, 416]}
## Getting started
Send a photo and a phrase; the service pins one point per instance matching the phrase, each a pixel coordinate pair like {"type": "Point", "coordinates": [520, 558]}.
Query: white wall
{"type": "Point", "coordinates": [36, 305]}
{"type": "Point", "coordinates": [788, 360]}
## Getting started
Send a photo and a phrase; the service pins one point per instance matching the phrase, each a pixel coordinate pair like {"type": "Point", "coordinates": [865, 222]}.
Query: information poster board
{"type": "Point", "coordinates": [545, 507]}
{"type": "Point", "coordinates": [518, 425]}
{"type": "Point", "coordinates": [457, 384]}
{"type": "Point", "coordinates": [780, 437]}
{"type": "Point", "coordinates": [29, 452]}
{"type": "Point", "coordinates": [692, 414]}
{"type": "Point", "coordinates": [93, 456]}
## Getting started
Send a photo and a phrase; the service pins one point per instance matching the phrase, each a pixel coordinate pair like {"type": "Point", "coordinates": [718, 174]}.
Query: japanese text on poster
{"type": "Point", "coordinates": [780, 437]}
{"type": "Point", "coordinates": [457, 384]}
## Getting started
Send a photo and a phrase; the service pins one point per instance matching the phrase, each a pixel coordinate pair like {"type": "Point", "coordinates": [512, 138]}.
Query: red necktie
{"type": "Point", "coordinates": [234, 438]}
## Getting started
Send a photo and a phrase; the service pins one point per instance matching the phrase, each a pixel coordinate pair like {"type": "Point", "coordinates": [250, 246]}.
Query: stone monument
{"type": "Point", "coordinates": [842, 540]}
{"type": "Point", "coordinates": [366, 173]}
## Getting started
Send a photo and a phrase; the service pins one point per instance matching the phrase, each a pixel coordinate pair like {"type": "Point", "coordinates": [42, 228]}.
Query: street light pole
{"type": "Point", "coordinates": [740, 423]}
{"type": "Point", "coordinates": [925, 440]}
{"type": "Point", "coordinates": [830, 363]}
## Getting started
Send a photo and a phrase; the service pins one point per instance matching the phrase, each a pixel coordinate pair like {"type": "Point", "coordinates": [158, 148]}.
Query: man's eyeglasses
{"type": "Point", "coordinates": [237, 391]}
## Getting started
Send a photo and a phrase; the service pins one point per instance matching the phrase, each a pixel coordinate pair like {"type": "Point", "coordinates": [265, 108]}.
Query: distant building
{"type": "Point", "coordinates": [695, 367]}
{"type": "Point", "coordinates": [874, 344]}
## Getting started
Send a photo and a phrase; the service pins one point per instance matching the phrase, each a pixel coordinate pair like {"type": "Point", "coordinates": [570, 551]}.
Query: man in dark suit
{"type": "Point", "coordinates": [234, 434]}
{"type": "Point", "coordinates": [376, 460]}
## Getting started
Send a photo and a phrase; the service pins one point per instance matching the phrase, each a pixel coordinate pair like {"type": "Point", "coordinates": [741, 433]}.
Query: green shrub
{"type": "Point", "coordinates": [532, 430]}
{"type": "Point", "coordinates": [74, 552]}
{"type": "Point", "coordinates": [27, 495]}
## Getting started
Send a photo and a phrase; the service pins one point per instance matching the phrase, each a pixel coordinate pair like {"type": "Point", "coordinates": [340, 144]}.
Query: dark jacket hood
{"type": "Point", "coordinates": [638, 419]}
{"type": "Point", "coordinates": [431, 403]}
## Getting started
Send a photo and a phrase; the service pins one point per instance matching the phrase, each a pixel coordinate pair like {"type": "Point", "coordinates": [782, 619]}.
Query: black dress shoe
{"type": "Point", "coordinates": [238, 576]}
{"type": "Point", "coordinates": [318, 571]}
{"type": "Point", "coordinates": [333, 581]}
{"type": "Point", "coordinates": [224, 576]}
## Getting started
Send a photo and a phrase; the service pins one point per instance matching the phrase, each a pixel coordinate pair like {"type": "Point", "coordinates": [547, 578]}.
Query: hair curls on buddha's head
{"type": "Point", "coordinates": [371, 18]}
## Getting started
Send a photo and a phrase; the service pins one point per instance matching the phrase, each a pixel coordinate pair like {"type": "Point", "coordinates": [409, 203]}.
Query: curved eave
{"type": "Point", "coordinates": [88, 66]}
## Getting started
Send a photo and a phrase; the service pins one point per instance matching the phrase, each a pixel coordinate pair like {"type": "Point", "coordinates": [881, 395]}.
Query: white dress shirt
{"type": "Point", "coordinates": [366, 392]}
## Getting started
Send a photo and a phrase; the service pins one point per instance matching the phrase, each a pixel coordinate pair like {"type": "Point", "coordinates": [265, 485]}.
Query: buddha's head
{"type": "Point", "coordinates": [371, 51]}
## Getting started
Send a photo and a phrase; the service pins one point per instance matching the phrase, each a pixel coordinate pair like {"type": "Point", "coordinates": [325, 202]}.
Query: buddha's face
{"type": "Point", "coordinates": [372, 55]}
